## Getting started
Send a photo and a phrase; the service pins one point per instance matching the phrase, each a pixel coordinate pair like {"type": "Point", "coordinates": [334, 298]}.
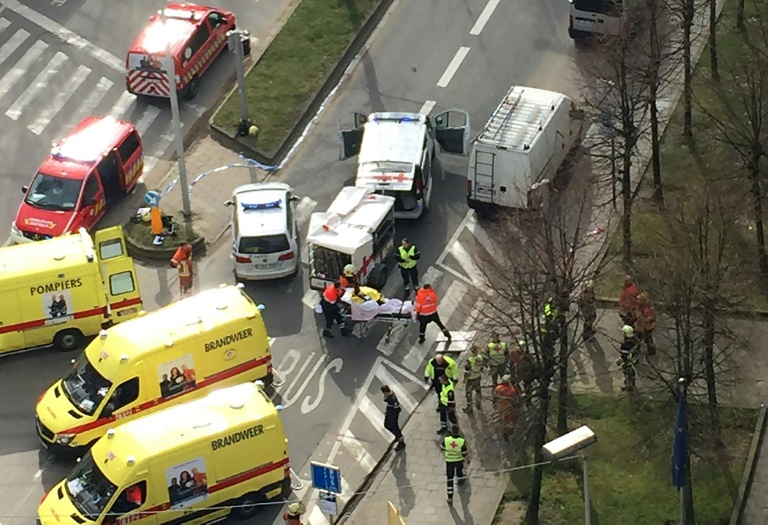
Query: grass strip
{"type": "Point", "coordinates": [293, 68]}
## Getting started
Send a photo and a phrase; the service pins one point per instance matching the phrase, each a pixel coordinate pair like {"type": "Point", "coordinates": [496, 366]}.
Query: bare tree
{"type": "Point", "coordinates": [713, 63]}
{"type": "Point", "coordinates": [740, 115]}
{"type": "Point", "coordinates": [740, 8]}
{"type": "Point", "coordinates": [552, 255]}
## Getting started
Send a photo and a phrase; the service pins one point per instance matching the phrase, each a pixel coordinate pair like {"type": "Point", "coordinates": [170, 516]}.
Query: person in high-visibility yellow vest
{"type": "Point", "coordinates": [498, 357]}
{"type": "Point", "coordinates": [437, 367]}
{"type": "Point", "coordinates": [455, 450]}
{"type": "Point", "coordinates": [447, 407]}
{"type": "Point", "coordinates": [407, 256]}
{"type": "Point", "coordinates": [473, 376]}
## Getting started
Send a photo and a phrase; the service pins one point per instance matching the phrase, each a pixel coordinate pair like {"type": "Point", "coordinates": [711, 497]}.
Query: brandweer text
{"type": "Point", "coordinates": [237, 437]}
{"type": "Point", "coordinates": [228, 340]}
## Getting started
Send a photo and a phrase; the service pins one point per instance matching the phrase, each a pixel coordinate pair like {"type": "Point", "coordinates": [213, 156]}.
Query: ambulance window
{"type": "Point", "coordinates": [129, 146]}
{"type": "Point", "coordinates": [121, 283]}
{"type": "Point", "coordinates": [110, 249]}
{"type": "Point", "coordinates": [199, 39]}
{"type": "Point", "coordinates": [130, 499]}
{"type": "Point", "coordinates": [124, 394]}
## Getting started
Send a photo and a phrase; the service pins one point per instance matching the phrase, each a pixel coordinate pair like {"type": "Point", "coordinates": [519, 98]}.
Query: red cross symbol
{"type": "Point", "coordinates": [454, 444]}
{"type": "Point", "coordinates": [400, 177]}
{"type": "Point", "coordinates": [366, 263]}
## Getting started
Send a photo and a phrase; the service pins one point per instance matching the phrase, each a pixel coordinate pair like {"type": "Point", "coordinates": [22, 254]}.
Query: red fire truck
{"type": "Point", "coordinates": [197, 35]}
{"type": "Point", "coordinates": [88, 171]}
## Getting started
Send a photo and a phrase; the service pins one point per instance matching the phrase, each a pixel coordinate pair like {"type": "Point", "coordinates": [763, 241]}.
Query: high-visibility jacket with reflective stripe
{"type": "Point", "coordinates": [426, 302]}
{"type": "Point", "coordinates": [405, 254]}
{"type": "Point", "coordinates": [497, 353]}
{"type": "Point", "coordinates": [453, 448]}
{"type": "Point", "coordinates": [444, 400]}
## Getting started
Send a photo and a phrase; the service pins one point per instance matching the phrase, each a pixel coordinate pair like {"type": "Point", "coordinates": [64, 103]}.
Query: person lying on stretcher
{"type": "Point", "coordinates": [366, 303]}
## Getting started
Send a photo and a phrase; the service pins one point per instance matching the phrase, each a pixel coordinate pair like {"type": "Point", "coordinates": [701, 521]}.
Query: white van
{"type": "Point", "coordinates": [521, 148]}
{"type": "Point", "coordinates": [265, 235]}
{"type": "Point", "coordinates": [596, 17]}
{"type": "Point", "coordinates": [397, 151]}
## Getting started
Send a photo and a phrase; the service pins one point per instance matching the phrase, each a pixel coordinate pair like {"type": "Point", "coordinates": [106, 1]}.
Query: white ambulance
{"type": "Point", "coordinates": [397, 152]}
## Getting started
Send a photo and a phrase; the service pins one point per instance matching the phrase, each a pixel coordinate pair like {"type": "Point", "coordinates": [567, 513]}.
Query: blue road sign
{"type": "Point", "coordinates": [152, 199]}
{"type": "Point", "coordinates": [325, 477]}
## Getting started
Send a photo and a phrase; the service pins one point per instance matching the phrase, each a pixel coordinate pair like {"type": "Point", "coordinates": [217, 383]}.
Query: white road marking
{"type": "Point", "coordinates": [453, 67]}
{"type": "Point", "coordinates": [426, 109]}
{"type": "Point", "coordinates": [375, 416]}
{"type": "Point", "coordinates": [4, 23]}
{"type": "Point", "coordinates": [355, 448]}
{"type": "Point", "coordinates": [65, 34]}
{"type": "Point", "coordinates": [12, 44]}
{"type": "Point", "coordinates": [95, 96]}
{"type": "Point", "coordinates": [162, 143]}
{"type": "Point", "coordinates": [308, 405]}
{"type": "Point", "coordinates": [301, 371]}
{"type": "Point", "coordinates": [311, 298]}
{"type": "Point", "coordinates": [72, 84]}
{"type": "Point", "coordinates": [122, 105]}
{"type": "Point", "coordinates": [304, 210]}
{"type": "Point", "coordinates": [482, 236]}
{"type": "Point", "coordinates": [39, 83]}
{"type": "Point", "coordinates": [272, 341]}
{"type": "Point", "coordinates": [22, 66]}
{"type": "Point", "coordinates": [468, 265]}
{"type": "Point", "coordinates": [149, 165]}
{"type": "Point", "coordinates": [484, 17]}
{"type": "Point", "coordinates": [454, 238]}
{"type": "Point", "coordinates": [147, 118]}
{"type": "Point", "coordinates": [37, 475]}
{"type": "Point", "coordinates": [406, 399]}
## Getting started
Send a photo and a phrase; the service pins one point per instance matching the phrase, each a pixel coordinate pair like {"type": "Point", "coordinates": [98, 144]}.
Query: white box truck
{"type": "Point", "coordinates": [520, 149]}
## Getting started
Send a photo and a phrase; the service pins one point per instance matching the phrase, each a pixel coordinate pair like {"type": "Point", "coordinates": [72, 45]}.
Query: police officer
{"type": "Point", "coordinates": [473, 375]}
{"type": "Point", "coordinates": [392, 416]}
{"type": "Point", "coordinates": [455, 451]}
{"type": "Point", "coordinates": [407, 257]}
{"type": "Point", "coordinates": [437, 367]}
{"type": "Point", "coordinates": [447, 407]}
{"type": "Point", "coordinates": [498, 355]}
{"type": "Point", "coordinates": [628, 357]}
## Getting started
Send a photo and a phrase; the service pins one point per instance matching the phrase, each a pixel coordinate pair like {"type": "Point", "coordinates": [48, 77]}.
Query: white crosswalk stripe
{"type": "Point", "coordinates": [146, 120]}
{"type": "Point", "coordinates": [41, 82]}
{"type": "Point", "coordinates": [69, 88]}
{"type": "Point", "coordinates": [123, 104]}
{"type": "Point", "coordinates": [12, 44]}
{"type": "Point", "coordinates": [32, 55]}
{"type": "Point", "coordinates": [88, 107]}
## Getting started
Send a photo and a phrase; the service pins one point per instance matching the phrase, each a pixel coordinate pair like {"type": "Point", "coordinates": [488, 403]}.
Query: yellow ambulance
{"type": "Point", "coordinates": [195, 462]}
{"type": "Point", "coordinates": [65, 289]}
{"type": "Point", "coordinates": [213, 339]}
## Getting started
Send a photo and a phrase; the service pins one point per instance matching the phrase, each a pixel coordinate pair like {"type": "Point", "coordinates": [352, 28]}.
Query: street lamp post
{"type": "Point", "coordinates": [566, 447]}
{"type": "Point", "coordinates": [170, 71]}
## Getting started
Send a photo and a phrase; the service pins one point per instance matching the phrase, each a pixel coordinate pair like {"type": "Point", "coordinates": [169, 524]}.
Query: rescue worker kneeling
{"type": "Point", "coordinates": [330, 305]}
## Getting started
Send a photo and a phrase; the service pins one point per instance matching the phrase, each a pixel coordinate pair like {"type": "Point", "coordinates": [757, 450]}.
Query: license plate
{"type": "Point", "coordinates": [265, 266]}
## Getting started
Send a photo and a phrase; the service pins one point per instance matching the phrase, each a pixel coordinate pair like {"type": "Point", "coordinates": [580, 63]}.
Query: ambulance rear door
{"type": "Point", "coordinates": [118, 274]}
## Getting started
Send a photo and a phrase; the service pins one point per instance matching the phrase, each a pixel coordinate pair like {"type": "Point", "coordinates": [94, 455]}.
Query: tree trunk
{"type": "Point", "coordinates": [562, 384]}
{"type": "Point", "coordinates": [539, 440]}
{"type": "Point", "coordinates": [658, 195]}
{"type": "Point", "coordinates": [687, 71]}
{"type": "Point", "coordinates": [626, 218]}
{"type": "Point", "coordinates": [713, 66]}
{"type": "Point", "coordinates": [740, 16]}
{"type": "Point", "coordinates": [709, 322]}
{"type": "Point", "coordinates": [757, 206]}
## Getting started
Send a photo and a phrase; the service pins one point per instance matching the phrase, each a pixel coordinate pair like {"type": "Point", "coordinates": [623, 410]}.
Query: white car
{"type": "Point", "coordinates": [265, 241]}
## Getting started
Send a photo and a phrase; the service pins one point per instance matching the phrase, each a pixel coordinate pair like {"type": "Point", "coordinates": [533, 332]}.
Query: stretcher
{"type": "Point", "coordinates": [388, 311]}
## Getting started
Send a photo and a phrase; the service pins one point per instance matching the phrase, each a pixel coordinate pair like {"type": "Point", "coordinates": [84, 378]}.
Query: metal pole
{"type": "Point", "coordinates": [170, 70]}
{"type": "Point", "coordinates": [235, 40]}
{"type": "Point", "coordinates": [681, 383]}
{"type": "Point", "coordinates": [587, 502]}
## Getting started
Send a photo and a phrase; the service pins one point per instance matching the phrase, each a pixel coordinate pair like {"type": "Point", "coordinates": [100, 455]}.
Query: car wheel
{"type": "Point", "coordinates": [68, 340]}
{"type": "Point", "coordinates": [247, 506]}
{"type": "Point", "coordinates": [192, 89]}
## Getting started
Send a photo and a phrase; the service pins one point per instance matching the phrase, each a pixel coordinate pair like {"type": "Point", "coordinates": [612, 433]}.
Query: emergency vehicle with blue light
{"type": "Point", "coordinates": [86, 173]}
{"type": "Point", "coordinates": [197, 35]}
{"type": "Point", "coordinates": [396, 153]}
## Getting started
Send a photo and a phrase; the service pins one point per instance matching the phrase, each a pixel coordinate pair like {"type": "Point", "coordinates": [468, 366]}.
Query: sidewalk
{"type": "Point", "coordinates": [414, 480]}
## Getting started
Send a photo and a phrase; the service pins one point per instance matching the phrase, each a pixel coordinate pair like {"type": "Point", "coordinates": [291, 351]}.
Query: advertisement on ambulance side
{"type": "Point", "coordinates": [177, 376]}
{"type": "Point", "coordinates": [187, 483]}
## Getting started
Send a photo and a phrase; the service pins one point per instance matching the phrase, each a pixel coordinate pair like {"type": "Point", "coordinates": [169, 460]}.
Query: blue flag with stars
{"type": "Point", "coordinates": [680, 446]}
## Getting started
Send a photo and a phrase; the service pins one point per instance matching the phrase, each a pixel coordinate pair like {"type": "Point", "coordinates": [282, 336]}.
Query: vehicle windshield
{"type": "Point", "coordinates": [85, 387]}
{"type": "Point", "coordinates": [53, 193]}
{"type": "Point", "coordinates": [603, 7]}
{"type": "Point", "coordinates": [89, 489]}
{"type": "Point", "coordinates": [263, 245]}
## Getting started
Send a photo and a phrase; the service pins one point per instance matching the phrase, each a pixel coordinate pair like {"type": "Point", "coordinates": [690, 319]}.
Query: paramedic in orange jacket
{"type": "Point", "coordinates": [330, 305]}
{"type": "Point", "coordinates": [426, 309]}
{"type": "Point", "coordinates": [182, 260]}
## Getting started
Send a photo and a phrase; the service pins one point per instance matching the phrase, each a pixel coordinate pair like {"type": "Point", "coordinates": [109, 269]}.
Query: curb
{"type": "Point", "coordinates": [232, 141]}
{"type": "Point", "coordinates": [747, 477]}
{"type": "Point", "coordinates": [151, 253]}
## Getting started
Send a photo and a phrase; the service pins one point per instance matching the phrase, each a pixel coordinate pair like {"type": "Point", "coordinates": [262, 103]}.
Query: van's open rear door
{"type": "Point", "coordinates": [118, 274]}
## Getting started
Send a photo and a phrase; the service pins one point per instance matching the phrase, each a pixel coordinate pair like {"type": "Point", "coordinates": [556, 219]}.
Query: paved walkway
{"type": "Point", "coordinates": [414, 479]}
